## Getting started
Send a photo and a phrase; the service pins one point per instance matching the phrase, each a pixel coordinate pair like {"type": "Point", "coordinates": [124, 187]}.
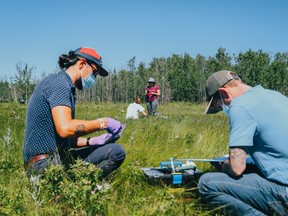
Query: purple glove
{"type": "Point", "coordinates": [113, 126]}
{"type": "Point", "coordinates": [107, 137]}
{"type": "Point", "coordinates": [100, 140]}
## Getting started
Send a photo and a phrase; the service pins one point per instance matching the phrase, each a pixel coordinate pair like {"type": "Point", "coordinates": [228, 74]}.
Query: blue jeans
{"type": "Point", "coordinates": [249, 194]}
{"type": "Point", "coordinates": [40, 166]}
{"type": "Point", "coordinates": [108, 157]}
{"type": "Point", "coordinates": [152, 106]}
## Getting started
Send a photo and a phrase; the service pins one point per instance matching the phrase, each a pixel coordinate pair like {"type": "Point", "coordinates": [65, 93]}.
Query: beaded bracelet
{"type": "Point", "coordinates": [101, 123]}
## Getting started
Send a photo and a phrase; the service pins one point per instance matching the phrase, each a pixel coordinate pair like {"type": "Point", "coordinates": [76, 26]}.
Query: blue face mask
{"type": "Point", "coordinates": [225, 108]}
{"type": "Point", "coordinates": [89, 81]}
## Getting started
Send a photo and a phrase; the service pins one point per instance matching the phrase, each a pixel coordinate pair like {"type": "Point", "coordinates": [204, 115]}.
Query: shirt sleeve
{"type": "Point", "coordinates": [242, 127]}
{"type": "Point", "coordinates": [58, 94]}
{"type": "Point", "coordinates": [141, 108]}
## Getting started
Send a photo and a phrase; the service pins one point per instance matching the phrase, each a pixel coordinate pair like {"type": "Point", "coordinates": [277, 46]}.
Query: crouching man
{"type": "Point", "coordinates": [258, 121]}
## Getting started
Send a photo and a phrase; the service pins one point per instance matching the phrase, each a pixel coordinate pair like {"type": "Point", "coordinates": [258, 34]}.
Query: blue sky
{"type": "Point", "coordinates": [37, 32]}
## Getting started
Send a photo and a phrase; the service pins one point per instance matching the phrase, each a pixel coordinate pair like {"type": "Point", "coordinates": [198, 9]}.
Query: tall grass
{"type": "Point", "coordinates": [182, 131]}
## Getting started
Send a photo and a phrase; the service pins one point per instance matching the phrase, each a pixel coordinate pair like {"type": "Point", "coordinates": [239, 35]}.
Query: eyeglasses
{"type": "Point", "coordinates": [94, 70]}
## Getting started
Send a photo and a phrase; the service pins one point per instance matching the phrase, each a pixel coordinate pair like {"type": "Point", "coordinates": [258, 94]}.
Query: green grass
{"type": "Point", "coordinates": [185, 133]}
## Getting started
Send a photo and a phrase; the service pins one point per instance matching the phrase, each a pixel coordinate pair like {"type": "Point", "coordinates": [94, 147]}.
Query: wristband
{"type": "Point", "coordinates": [87, 141]}
{"type": "Point", "coordinates": [101, 123]}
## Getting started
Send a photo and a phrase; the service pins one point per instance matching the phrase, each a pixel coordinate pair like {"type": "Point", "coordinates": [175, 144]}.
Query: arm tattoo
{"type": "Point", "coordinates": [238, 155]}
{"type": "Point", "coordinates": [80, 130]}
{"type": "Point", "coordinates": [237, 162]}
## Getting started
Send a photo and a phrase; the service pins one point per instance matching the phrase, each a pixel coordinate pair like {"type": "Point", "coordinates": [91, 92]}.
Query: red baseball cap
{"type": "Point", "coordinates": [91, 55]}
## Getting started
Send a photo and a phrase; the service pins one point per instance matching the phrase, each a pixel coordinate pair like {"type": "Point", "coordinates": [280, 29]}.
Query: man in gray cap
{"type": "Point", "coordinates": [258, 121]}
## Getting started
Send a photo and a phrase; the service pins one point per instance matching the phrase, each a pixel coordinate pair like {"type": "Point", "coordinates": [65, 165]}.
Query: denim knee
{"type": "Point", "coordinates": [118, 154]}
{"type": "Point", "coordinates": [204, 182]}
{"type": "Point", "coordinates": [209, 183]}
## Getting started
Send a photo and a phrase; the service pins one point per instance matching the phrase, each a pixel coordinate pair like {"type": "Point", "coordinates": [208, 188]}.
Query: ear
{"type": "Point", "coordinates": [224, 92]}
{"type": "Point", "coordinates": [82, 62]}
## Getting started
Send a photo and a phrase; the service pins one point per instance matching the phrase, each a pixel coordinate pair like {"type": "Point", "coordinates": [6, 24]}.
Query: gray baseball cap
{"type": "Point", "coordinates": [213, 83]}
{"type": "Point", "coordinates": [151, 80]}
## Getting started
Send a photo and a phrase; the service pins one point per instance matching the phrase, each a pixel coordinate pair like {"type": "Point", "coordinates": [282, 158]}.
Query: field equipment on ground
{"type": "Point", "coordinates": [172, 172]}
{"type": "Point", "coordinates": [176, 172]}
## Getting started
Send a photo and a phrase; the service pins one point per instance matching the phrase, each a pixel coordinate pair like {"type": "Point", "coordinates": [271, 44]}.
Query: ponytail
{"type": "Point", "coordinates": [67, 60]}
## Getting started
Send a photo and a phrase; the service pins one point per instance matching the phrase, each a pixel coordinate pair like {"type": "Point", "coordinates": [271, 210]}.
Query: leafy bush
{"type": "Point", "coordinates": [74, 191]}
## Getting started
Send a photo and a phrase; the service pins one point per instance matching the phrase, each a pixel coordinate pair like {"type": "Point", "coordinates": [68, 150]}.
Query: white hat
{"type": "Point", "coordinates": [151, 80]}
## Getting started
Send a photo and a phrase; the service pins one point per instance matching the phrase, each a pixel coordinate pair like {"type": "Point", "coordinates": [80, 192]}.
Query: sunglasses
{"type": "Point", "coordinates": [95, 70]}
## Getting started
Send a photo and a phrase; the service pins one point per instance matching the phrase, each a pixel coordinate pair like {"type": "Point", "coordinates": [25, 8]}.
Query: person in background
{"type": "Point", "coordinates": [52, 128]}
{"type": "Point", "coordinates": [152, 92]}
{"type": "Point", "coordinates": [258, 121]}
{"type": "Point", "coordinates": [134, 109]}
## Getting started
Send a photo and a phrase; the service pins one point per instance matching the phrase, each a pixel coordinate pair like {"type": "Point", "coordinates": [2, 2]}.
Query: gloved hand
{"type": "Point", "coordinates": [113, 126]}
{"type": "Point", "coordinates": [100, 140]}
{"type": "Point", "coordinates": [107, 137]}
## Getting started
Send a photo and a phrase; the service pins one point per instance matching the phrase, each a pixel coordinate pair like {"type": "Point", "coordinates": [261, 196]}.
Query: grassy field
{"type": "Point", "coordinates": [185, 133]}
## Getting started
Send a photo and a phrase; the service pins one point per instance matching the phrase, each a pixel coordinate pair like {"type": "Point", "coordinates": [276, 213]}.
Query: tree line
{"type": "Point", "coordinates": [180, 77]}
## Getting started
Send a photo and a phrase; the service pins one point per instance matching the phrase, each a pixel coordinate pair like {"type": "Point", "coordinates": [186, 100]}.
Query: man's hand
{"type": "Point", "coordinates": [100, 140]}
{"type": "Point", "coordinates": [113, 126]}
{"type": "Point", "coordinates": [236, 164]}
{"type": "Point", "coordinates": [107, 137]}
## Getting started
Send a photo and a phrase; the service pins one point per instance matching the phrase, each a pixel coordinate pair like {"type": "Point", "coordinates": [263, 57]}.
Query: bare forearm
{"type": "Point", "coordinates": [226, 167]}
{"type": "Point", "coordinates": [78, 142]}
{"type": "Point", "coordinates": [68, 127]}
{"type": "Point", "coordinates": [82, 141]}
{"type": "Point", "coordinates": [236, 164]}
{"type": "Point", "coordinates": [79, 128]}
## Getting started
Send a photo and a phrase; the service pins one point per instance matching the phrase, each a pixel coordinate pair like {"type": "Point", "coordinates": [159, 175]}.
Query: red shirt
{"type": "Point", "coordinates": [149, 96]}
